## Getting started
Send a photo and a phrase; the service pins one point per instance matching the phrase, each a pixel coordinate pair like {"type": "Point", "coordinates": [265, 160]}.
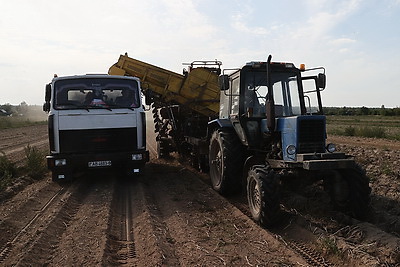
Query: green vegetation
{"type": "Point", "coordinates": [330, 247]}
{"type": "Point", "coordinates": [360, 111]}
{"type": "Point", "coordinates": [376, 126]}
{"type": "Point", "coordinates": [7, 169]}
{"type": "Point", "coordinates": [34, 166]}
{"type": "Point", "coordinates": [35, 162]}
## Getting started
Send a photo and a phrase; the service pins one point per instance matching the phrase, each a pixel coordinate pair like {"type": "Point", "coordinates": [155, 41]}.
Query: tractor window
{"type": "Point", "coordinates": [286, 95]}
{"type": "Point", "coordinates": [255, 92]}
{"type": "Point", "coordinates": [235, 96]}
{"type": "Point", "coordinates": [310, 97]}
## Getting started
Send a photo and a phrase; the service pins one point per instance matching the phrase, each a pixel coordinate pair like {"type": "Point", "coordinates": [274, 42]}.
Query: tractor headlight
{"type": "Point", "coordinates": [291, 149]}
{"type": "Point", "coordinates": [60, 162]}
{"type": "Point", "coordinates": [331, 148]}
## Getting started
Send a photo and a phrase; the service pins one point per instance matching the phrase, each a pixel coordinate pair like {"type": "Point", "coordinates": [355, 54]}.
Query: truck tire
{"type": "Point", "coordinates": [350, 192]}
{"type": "Point", "coordinates": [225, 162]}
{"type": "Point", "coordinates": [263, 195]}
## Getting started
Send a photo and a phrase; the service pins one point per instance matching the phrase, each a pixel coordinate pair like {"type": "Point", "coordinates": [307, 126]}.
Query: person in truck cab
{"type": "Point", "coordinates": [126, 99]}
{"type": "Point", "coordinates": [88, 98]}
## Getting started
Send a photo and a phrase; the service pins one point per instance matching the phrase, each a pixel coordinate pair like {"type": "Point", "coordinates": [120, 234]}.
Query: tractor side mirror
{"type": "Point", "coordinates": [321, 81]}
{"type": "Point", "coordinates": [223, 81]}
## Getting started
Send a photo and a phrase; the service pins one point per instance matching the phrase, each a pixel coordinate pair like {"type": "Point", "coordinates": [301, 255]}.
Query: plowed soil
{"type": "Point", "coordinates": [170, 216]}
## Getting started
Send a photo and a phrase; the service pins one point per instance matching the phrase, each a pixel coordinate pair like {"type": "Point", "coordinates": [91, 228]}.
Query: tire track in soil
{"type": "Point", "coordinates": [203, 229]}
{"type": "Point", "coordinates": [83, 242]}
{"type": "Point", "coordinates": [35, 248]}
{"type": "Point", "coordinates": [137, 235]}
{"type": "Point", "coordinates": [26, 213]}
{"type": "Point", "coordinates": [322, 236]}
{"type": "Point", "coordinates": [23, 206]}
{"type": "Point", "coordinates": [120, 244]}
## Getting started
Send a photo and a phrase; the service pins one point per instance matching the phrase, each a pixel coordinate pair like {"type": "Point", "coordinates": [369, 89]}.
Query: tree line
{"type": "Point", "coordinates": [356, 111]}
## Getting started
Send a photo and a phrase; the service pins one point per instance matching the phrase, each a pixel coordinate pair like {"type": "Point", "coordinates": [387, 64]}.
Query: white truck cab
{"type": "Point", "coordinates": [95, 121]}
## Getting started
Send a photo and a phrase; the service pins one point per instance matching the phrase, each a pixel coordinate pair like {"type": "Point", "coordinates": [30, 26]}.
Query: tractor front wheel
{"type": "Point", "coordinates": [263, 195]}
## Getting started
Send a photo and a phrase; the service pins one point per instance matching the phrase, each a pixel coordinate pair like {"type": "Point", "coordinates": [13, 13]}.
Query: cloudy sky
{"type": "Point", "coordinates": [356, 41]}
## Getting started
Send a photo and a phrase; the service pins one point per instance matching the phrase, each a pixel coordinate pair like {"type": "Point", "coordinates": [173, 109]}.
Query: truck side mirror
{"type": "Point", "coordinates": [321, 81]}
{"type": "Point", "coordinates": [223, 81]}
{"type": "Point", "coordinates": [46, 106]}
{"type": "Point", "coordinates": [47, 96]}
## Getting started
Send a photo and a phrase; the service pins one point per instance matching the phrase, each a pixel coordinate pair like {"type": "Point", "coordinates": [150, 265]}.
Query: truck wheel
{"type": "Point", "coordinates": [226, 162]}
{"type": "Point", "coordinates": [350, 192]}
{"type": "Point", "coordinates": [263, 195]}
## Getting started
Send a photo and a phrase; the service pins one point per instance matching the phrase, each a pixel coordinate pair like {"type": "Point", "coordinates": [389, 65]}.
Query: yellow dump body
{"type": "Point", "coordinates": [198, 90]}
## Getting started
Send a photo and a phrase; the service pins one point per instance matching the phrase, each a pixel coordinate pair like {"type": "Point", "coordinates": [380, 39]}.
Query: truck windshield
{"type": "Point", "coordinates": [91, 93]}
{"type": "Point", "coordinates": [286, 93]}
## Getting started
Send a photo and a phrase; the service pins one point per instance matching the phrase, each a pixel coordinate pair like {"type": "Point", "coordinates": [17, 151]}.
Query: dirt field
{"type": "Point", "coordinates": [170, 216]}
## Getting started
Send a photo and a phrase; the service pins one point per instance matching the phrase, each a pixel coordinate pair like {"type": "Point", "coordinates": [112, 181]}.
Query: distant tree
{"type": "Point", "coordinates": [383, 110]}
{"type": "Point", "coordinates": [8, 108]}
{"type": "Point", "coordinates": [364, 110]}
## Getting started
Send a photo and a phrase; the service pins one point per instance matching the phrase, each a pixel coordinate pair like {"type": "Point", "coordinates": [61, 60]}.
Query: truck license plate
{"type": "Point", "coordinates": [100, 163]}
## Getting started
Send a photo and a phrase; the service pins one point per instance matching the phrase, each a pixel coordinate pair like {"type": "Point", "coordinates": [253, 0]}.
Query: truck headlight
{"type": "Point", "coordinates": [137, 156]}
{"type": "Point", "coordinates": [60, 162]}
{"type": "Point", "coordinates": [291, 149]}
{"type": "Point", "coordinates": [331, 148]}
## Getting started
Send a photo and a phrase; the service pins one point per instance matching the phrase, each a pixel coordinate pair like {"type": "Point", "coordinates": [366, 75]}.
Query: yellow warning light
{"type": "Point", "coordinates": [302, 67]}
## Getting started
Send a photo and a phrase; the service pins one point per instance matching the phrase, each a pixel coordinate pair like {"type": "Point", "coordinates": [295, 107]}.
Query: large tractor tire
{"type": "Point", "coordinates": [263, 195]}
{"type": "Point", "coordinates": [226, 159]}
{"type": "Point", "coordinates": [350, 192]}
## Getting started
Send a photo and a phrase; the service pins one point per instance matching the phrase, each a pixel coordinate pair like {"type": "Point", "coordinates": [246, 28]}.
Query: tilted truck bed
{"type": "Point", "coordinates": [198, 90]}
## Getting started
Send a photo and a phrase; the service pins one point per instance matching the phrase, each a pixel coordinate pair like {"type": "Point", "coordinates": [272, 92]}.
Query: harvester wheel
{"type": "Point", "coordinates": [226, 162]}
{"type": "Point", "coordinates": [263, 195]}
{"type": "Point", "coordinates": [350, 192]}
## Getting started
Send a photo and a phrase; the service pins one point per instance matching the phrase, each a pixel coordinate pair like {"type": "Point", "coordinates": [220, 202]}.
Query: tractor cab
{"type": "Point", "coordinates": [269, 100]}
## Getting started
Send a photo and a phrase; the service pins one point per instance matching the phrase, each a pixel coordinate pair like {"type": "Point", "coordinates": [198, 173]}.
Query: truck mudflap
{"type": "Point", "coordinates": [64, 166]}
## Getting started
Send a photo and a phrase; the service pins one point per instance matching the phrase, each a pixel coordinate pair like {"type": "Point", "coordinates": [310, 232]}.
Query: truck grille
{"type": "Point", "coordinates": [311, 136]}
{"type": "Point", "coordinates": [98, 140]}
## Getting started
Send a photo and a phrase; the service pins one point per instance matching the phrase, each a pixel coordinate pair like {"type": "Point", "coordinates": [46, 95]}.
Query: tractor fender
{"type": "Point", "coordinates": [218, 124]}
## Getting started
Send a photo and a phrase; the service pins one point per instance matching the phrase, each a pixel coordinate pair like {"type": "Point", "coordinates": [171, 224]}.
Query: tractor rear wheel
{"type": "Point", "coordinates": [263, 195]}
{"type": "Point", "coordinates": [226, 158]}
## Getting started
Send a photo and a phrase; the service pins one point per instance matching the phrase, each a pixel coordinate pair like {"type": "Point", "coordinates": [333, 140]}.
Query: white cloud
{"type": "Point", "coordinates": [43, 37]}
{"type": "Point", "coordinates": [238, 23]}
{"type": "Point", "coordinates": [342, 41]}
